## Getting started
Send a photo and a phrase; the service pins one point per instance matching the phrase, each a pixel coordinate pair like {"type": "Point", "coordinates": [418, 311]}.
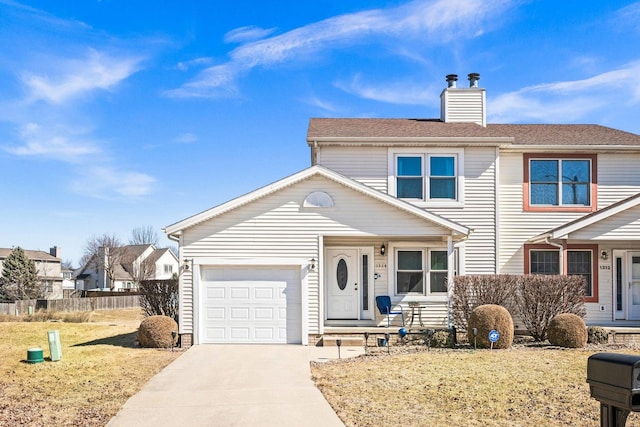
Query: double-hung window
{"type": "Point", "coordinates": [432, 177]}
{"type": "Point", "coordinates": [565, 182]}
{"type": "Point", "coordinates": [544, 259]}
{"type": "Point", "coordinates": [421, 271]}
{"type": "Point", "coordinates": [409, 184]}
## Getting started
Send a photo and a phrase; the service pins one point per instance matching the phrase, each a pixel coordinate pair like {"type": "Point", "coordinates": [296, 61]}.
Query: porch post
{"type": "Point", "coordinates": [450, 269]}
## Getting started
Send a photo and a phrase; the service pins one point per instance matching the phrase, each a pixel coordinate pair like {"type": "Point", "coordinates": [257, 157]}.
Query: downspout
{"type": "Point", "coordinates": [562, 247]}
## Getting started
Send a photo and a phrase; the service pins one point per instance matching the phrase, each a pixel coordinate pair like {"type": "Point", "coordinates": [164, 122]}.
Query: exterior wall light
{"type": "Point", "coordinates": [604, 255]}
{"type": "Point", "coordinates": [312, 266]}
{"type": "Point", "coordinates": [383, 249]}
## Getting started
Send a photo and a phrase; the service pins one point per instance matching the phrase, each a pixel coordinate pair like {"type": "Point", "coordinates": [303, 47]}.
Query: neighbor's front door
{"type": "Point", "coordinates": [342, 277]}
{"type": "Point", "coordinates": [634, 286]}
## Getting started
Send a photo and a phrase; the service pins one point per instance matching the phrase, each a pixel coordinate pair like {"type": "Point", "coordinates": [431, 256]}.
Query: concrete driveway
{"type": "Point", "coordinates": [232, 385]}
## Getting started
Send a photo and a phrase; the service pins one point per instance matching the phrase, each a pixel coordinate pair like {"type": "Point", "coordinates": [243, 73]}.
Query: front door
{"type": "Point", "coordinates": [634, 286]}
{"type": "Point", "coordinates": [342, 277]}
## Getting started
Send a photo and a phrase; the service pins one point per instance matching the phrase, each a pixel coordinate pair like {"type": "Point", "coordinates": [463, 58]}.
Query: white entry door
{"type": "Point", "coordinates": [634, 286]}
{"type": "Point", "coordinates": [342, 276]}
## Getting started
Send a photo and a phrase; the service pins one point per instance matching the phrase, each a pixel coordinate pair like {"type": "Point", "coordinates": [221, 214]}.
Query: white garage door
{"type": "Point", "coordinates": [252, 304]}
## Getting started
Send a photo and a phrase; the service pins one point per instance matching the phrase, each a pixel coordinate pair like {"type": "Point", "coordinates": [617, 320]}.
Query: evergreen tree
{"type": "Point", "coordinates": [19, 277]}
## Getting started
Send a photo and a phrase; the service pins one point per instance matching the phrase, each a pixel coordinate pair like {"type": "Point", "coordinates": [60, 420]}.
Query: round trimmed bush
{"type": "Point", "coordinates": [155, 332]}
{"type": "Point", "coordinates": [597, 335]}
{"type": "Point", "coordinates": [567, 330]}
{"type": "Point", "coordinates": [487, 317]}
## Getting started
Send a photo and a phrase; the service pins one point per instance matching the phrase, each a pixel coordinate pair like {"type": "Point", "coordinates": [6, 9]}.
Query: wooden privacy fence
{"type": "Point", "coordinates": [71, 304]}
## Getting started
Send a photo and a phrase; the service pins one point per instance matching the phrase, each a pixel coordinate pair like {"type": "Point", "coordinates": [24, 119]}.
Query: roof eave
{"type": "Point", "coordinates": [362, 140]}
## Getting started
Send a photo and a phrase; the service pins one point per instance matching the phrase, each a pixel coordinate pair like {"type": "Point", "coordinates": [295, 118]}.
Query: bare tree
{"type": "Point", "coordinates": [104, 253]}
{"type": "Point", "coordinates": [146, 235]}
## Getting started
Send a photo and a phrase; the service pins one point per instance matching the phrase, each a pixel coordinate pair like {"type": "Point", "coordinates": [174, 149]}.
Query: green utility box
{"type": "Point", "coordinates": [55, 348]}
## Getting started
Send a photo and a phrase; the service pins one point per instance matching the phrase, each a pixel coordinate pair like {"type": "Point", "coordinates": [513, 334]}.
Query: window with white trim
{"type": "Point", "coordinates": [421, 271]}
{"type": "Point", "coordinates": [429, 176]}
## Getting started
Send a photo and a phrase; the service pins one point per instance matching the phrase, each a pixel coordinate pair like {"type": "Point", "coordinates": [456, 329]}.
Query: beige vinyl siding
{"type": "Point", "coordinates": [478, 212]}
{"type": "Point", "coordinates": [276, 226]}
{"type": "Point", "coordinates": [623, 226]}
{"type": "Point", "coordinates": [463, 106]}
{"type": "Point", "coordinates": [516, 225]}
{"type": "Point", "coordinates": [367, 165]}
{"type": "Point", "coordinates": [618, 177]}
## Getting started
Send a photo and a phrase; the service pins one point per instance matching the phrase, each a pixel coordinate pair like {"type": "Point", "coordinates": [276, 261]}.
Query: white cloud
{"type": "Point", "coordinates": [70, 78]}
{"type": "Point", "coordinates": [248, 33]}
{"type": "Point", "coordinates": [109, 183]}
{"type": "Point", "coordinates": [399, 92]}
{"type": "Point", "coordinates": [186, 138]}
{"type": "Point", "coordinates": [53, 143]}
{"type": "Point", "coordinates": [322, 104]}
{"type": "Point", "coordinates": [185, 65]}
{"type": "Point", "coordinates": [567, 101]}
{"type": "Point", "coordinates": [628, 16]}
{"type": "Point", "coordinates": [429, 22]}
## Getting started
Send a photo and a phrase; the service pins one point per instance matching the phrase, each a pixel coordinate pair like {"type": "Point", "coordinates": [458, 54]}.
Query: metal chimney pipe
{"type": "Point", "coordinates": [473, 79]}
{"type": "Point", "coordinates": [451, 80]}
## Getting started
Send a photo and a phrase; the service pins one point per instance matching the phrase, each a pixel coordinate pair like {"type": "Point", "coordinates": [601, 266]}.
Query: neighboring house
{"type": "Point", "coordinates": [398, 207]}
{"type": "Point", "coordinates": [48, 269]}
{"type": "Point", "coordinates": [133, 264]}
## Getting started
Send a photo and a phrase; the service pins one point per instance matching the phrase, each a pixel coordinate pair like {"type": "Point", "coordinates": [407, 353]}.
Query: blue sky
{"type": "Point", "coordinates": [119, 114]}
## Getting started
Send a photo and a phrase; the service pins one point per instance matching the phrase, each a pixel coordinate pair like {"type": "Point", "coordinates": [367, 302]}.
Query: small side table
{"type": "Point", "coordinates": [413, 305]}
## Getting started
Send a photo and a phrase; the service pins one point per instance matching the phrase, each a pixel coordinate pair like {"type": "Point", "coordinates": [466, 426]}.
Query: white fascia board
{"type": "Point", "coordinates": [176, 229]}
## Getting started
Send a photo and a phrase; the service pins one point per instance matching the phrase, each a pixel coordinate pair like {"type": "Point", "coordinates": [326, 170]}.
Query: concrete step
{"type": "Point", "coordinates": [347, 341]}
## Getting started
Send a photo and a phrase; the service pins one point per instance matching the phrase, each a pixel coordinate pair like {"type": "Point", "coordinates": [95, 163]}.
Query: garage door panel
{"type": "Point", "coordinates": [239, 293]}
{"type": "Point", "coordinates": [239, 313]}
{"type": "Point", "coordinates": [214, 313]}
{"type": "Point", "coordinates": [251, 305]}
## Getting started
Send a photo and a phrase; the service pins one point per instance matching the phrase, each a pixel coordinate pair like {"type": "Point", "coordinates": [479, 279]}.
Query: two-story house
{"type": "Point", "coordinates": [131, 264]}
{"type": "Point", "coordinates": [398, 207]}
{"type": "Point", "coordinates": [48, 268]}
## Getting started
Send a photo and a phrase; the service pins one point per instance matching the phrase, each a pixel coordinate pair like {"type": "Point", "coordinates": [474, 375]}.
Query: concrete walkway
{"type": "Point", "coordinates": [235, 385]}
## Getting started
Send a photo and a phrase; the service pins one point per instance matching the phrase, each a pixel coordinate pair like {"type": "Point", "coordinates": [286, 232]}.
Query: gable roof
{"type": "Point", "coordinates": [564, 230]}
{"type": "Point", "coordinates": [175, 229]}
{"type": "Point", "coordinates": [434, 130]}
{"type": "Point", "coordinates": [32, 255]}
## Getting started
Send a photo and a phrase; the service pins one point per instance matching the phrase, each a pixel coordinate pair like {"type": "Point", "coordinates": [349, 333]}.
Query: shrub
{"type": "Point", "coordinates": [159, 297]}
{"type": "Point", "coordinates": [155, 332]}
{"type": "Point", "coordinates": [488, 317]}
{"type": "Point", "coordinates": [441, 339]}
{"type": "Point", "coordinates": [541, 297]}
{"type": "Point", "coordinates": [567, 330]}
{"type": "Point", "coordinates": [597, 335]}
{"type": "Point", "coordinates": [470, 292]}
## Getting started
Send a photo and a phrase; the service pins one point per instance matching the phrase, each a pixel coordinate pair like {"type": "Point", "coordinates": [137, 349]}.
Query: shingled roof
{"type": "Point", "coordinates": [335, 129]}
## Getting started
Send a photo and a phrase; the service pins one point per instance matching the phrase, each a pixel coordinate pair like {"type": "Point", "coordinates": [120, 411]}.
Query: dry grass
{"type": "Point", "coordinates": [522, 386]}
{"type": "Point", "coordinates": [101, 368]}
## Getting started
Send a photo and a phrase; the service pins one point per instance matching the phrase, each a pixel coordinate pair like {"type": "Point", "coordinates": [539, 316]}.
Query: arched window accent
{"type": "Point", "coordinates": [318, 199]}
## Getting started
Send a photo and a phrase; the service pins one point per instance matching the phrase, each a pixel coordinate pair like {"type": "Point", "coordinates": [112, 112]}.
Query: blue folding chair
{"type": "Point", "coordinates": [384, 306]}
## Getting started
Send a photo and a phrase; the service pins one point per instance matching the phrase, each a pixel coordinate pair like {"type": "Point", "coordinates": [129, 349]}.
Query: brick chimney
{"type": "Point", "coordinates": [463, 105]}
